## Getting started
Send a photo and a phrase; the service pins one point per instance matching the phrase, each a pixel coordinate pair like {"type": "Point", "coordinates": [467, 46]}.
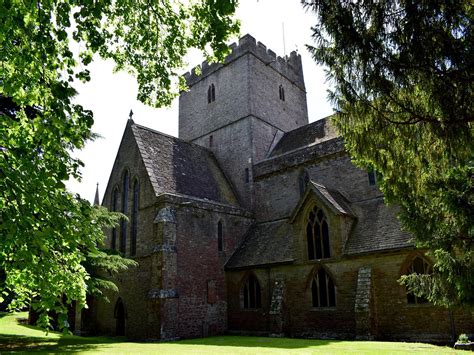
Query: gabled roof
{"type": "Point", "coordinates": [332, 199]}
{"type": "Point", "coordinates": [176, 166]}
{"type": "Point", "coordinates": [265, 243]}
{"type": "Point", "coordinates": [303, 137]}
{"type": "Point", "coordinates": [377, 229]}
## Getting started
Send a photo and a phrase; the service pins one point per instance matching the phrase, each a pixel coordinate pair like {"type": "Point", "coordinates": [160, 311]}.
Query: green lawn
{"type": "Point", "coordinates": [21, 338]}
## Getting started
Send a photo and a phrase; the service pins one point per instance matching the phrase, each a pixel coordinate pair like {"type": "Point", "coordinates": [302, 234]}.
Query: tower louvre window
{"type": "Point", "coordinates": [323, 291]}
{"type": "Point", "coordinates": [211, 93]}
{"type": "Point", "coordinates": [317, 235]}
{"type": "Point", "coordinates": [282, 93]}
{"type": "Point", "coordinates": [247, 175]}
{"type": "Point", "coordinates": [211, 141]}
{"type": "Point", "coordinates": [372, 177]}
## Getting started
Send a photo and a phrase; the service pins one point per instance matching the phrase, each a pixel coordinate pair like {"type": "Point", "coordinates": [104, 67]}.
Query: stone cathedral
{"type": "Point", "coordinates": [255, 222]}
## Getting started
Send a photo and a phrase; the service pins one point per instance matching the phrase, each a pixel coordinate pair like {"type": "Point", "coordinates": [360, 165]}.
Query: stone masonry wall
{"type": "Point", "coordinates": [247, 84]}
{"type": "Point", "coordinates": [197, 117]}
{"type": "Point", "coordinates": [265, 102]}
{"type": "Point", "coordinates": [200, 281]}
{"type": "Point", "coordinates": [396, 319]}
{"type": "Point", "coordinates": [142, 320]}
{"type": "Point", "coordinates": [277, 194]}
{"type": "Point", "coordinates": [232, 146]}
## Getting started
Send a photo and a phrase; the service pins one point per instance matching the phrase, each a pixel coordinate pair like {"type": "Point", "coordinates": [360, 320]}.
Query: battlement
{"type": "Point", "coordinates": [289, 66]}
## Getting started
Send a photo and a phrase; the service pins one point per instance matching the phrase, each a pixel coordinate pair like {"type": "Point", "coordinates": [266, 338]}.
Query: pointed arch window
{"type": "Point", "coordinates": [419, 266]}
{"type": "Point", "coordinates": [115, 197]}
{"type": "Point", "coordinates": [220, 237]}
{"type": "Point", "coordinates": [211, 94]}
{"type": "Point", "coordinates": [282, 93]}
{"type": "Point", "coordinates": [252, 294]}
{"type": "Point", "coordinates": [134, 230]}
{"type": "Point", "coordinates": [323, 291]}
{"type": "Point", "coordinates": [123, 232]}
{"type": "Point", "coordinates": [317, 235]}
{"type": "Point", "coordinates": [119, 315]}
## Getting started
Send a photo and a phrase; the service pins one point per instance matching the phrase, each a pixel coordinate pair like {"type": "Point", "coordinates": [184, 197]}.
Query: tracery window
{"type": "Point", "coordinates": [323, 291]}
{"type": "Point", "coordinates": [420, 266]}
{"type": "Point", "coordinates": [220, 237]}
{"type": "Point", "coordinates": [252, 293]}
{"type": "Point", "coordinates": [133, 241]}
{"type": "Point", "coordinates": [115, 196]}
{"type": "Point", "coordinates": [123, 232]}
{"type": "Point", "coordinates": [317, 235]}
{"type": "Point", "coordinates": [211, 94]}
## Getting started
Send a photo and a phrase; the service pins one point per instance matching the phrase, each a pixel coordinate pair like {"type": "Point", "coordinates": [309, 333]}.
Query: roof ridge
{"type": "Point", "coordinates": [181, 140]}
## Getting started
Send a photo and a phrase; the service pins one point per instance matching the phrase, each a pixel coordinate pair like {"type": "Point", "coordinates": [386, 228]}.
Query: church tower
{"type": "Point", "coordinates": [241, 108]}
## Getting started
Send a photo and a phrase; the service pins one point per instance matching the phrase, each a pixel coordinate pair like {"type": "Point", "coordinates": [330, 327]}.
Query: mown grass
{"type": "Point", "coordinates": [16, 337]}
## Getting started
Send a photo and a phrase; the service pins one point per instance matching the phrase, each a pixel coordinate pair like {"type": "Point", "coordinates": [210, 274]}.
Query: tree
{"type": "Point", "coordinates": [47, 234]}
{"type": "Point", "coordinates": [403, 94]}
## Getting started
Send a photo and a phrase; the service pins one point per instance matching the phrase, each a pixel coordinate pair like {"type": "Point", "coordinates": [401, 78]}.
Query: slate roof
{"type": "Point", "coordinates": [331, 198]}
{"type": "Point", "coordinates": [265, 243]}
{"type": "Point", "coordinates": [334, 198]}
{"type": "Point", "coordinates": [376, 229]}
{"type": "Point", "coordinates": [177, 166]}
{"type": "Point", "coordinates": [306, 136]}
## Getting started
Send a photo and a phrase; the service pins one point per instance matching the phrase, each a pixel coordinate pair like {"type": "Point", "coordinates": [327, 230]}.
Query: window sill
{"type": "Point", "coordinates": [421, 305]}
{"type": "Point", "coordinates": [323, 309]}
{"type": "Point", "coordinates": [325, 260]}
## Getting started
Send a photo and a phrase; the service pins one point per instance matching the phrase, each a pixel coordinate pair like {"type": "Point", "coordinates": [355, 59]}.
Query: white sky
{"type": "Point", "coordinates": [111, 96]}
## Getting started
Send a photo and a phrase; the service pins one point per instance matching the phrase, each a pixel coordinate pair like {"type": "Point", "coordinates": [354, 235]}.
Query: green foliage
{"type": "Point", "coordinates": [48, 235]}
{"type": "Point", "coordinates": [403, 78]}
{"type": "Point", "coordinates": [463, 339]}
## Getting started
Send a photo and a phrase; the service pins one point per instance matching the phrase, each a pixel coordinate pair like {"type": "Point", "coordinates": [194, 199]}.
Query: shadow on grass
{"type": "Point", "coordinates": [68, 343]}
{"type": "Point", "coordinates": [256, 342]}
{"type": "Point", "coordinates": [65, 343]}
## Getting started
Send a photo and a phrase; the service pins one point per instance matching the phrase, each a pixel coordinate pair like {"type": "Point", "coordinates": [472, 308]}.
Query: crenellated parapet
{"type": "Point", "coordinates": [289, 66]}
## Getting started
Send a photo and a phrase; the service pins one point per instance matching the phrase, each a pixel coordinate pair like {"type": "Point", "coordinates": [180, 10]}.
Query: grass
{"type": "Point", "coordinates": [15, 337]}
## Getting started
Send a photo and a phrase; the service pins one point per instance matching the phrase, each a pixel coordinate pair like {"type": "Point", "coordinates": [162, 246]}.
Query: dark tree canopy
{"type": "Point", "coordinates": [403, 91]}
{"type": "Point", "coordinates": [51, 239]}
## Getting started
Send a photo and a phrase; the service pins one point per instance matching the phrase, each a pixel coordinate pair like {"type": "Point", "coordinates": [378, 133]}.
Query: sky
{"type": "Point", "coordinates": [281, 25]}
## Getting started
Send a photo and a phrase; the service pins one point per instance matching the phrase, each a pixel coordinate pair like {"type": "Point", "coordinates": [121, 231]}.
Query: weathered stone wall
{"type": "Point", "coordinates": [247, 113]}
{"type": "Point", "coordinates": [277, 189]}
{"type": "Point", "coordinates": [232, 146]}
{"type": "Point", "coordinates": [395, 319]}
{"type": "Point", "coordinates": [197, 117]}
{"type": "Point", "coordinates": [237, 146]}
{"type": "Point", "coordinates": [265, 102]}
{"type": "Point", "coordinates": [199, 272]}
{"type": "Point", "coordinates": [246, 84]}
{"type": "Point", "coordinates": [129, 158]}
{"type": "Point", "coordinates": [142, 318]}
